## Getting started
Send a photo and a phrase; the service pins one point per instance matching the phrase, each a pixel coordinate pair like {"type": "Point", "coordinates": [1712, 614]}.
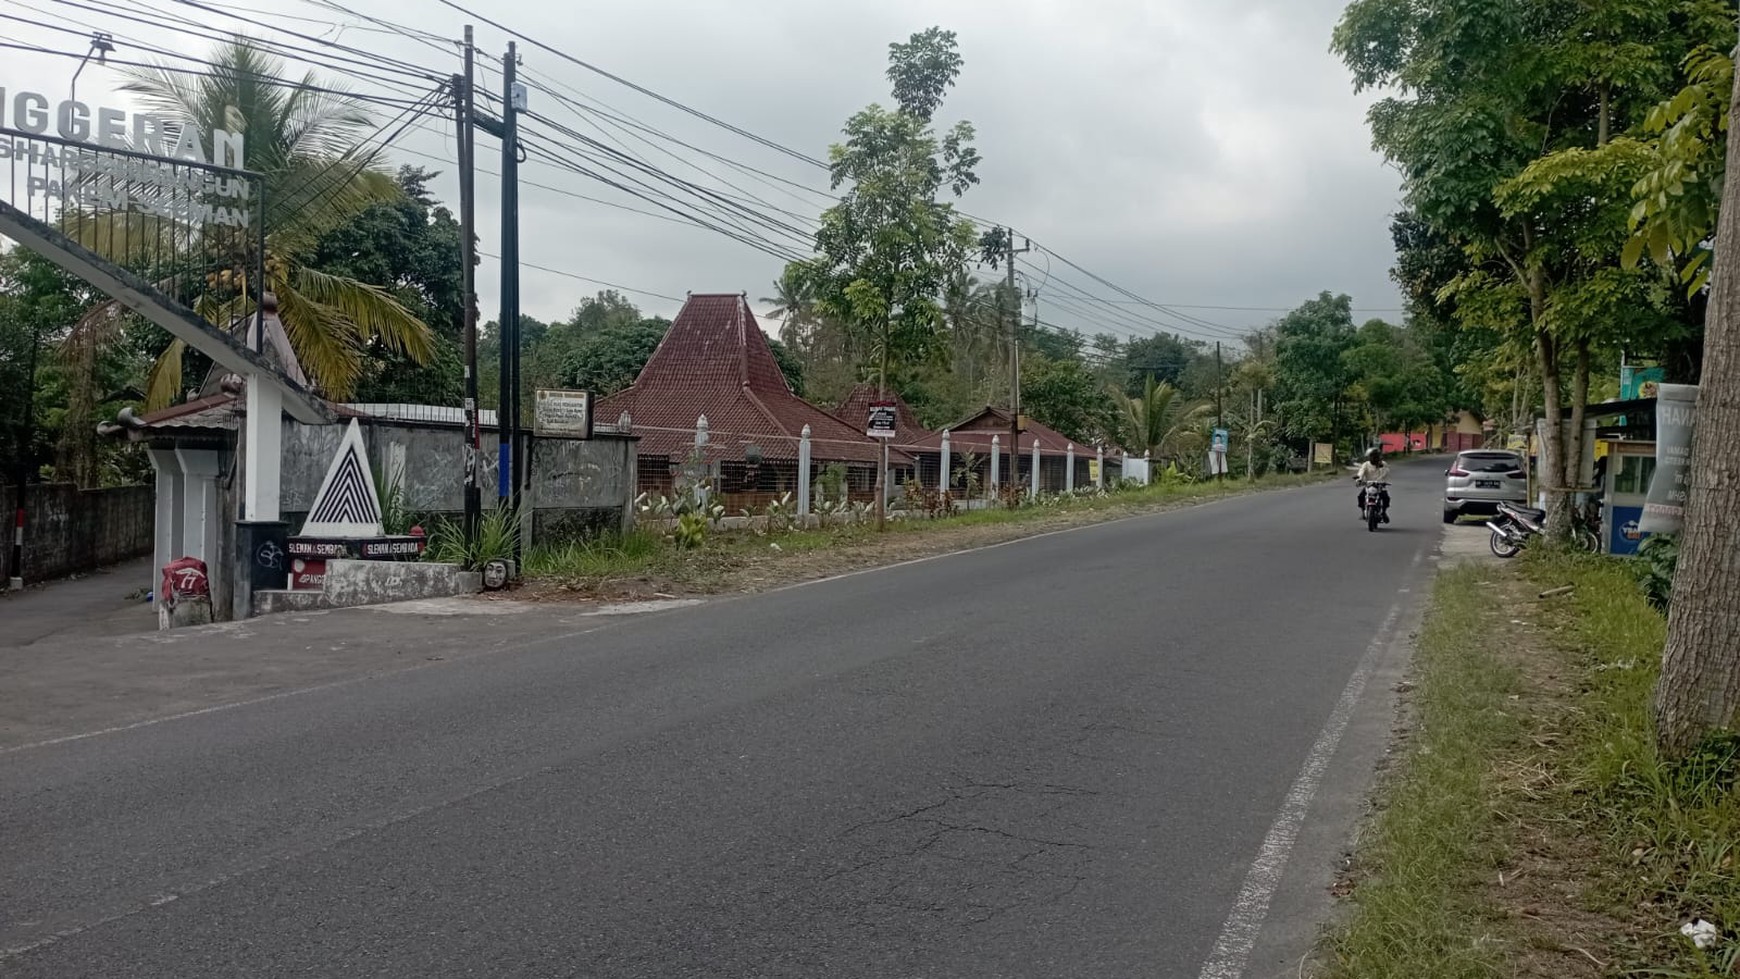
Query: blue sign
{"type": "Point", "coordinates": [1623, 537]}
{"type": "Point", "coordinates": [1220, 440]}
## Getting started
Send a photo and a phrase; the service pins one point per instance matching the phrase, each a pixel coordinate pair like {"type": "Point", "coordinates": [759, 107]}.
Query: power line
{"type": "Point", "coordinates": [726, 207]}
{"type": "Point", "coordinates": [583, 278]}
{"type": "Point", "coordinates": [552, 189]}
{"type": "Point", "coordinates": [673, 103]}
{"type": "Point", "coordinates": [320, 59]}
{"type": "Point", "coordinates": [655, 199]}
{"type": "Point", "coordinates": [261, 79]}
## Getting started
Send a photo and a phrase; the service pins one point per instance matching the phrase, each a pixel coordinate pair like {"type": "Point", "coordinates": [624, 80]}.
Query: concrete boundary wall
{"type": "Point", "coordinates": [68, 530]}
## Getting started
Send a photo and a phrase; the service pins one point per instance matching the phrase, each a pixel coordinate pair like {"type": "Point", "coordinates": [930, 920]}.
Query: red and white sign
{"type": "Point", "coordinates": [307, 574]}
{"type": "Point", "coordinates": [184, 578]}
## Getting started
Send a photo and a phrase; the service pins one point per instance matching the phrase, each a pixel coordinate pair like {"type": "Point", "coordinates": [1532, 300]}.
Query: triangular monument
{"type": "Point", "coordinates": [345, 518]}
{"type": "Point", "coordinates": [347, 505]}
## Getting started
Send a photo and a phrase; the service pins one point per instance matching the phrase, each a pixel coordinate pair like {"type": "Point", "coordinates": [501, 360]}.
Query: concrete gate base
{"type": "Point", "coordinates": [352, 583]}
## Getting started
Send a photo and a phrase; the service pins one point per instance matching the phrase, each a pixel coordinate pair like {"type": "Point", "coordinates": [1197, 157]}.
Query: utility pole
{"type": "Point", "coordinates": [1219, 415]}
{"type": "Point", "coordinates": [882, 453]}
{"type": "Point", "coordinates": [1015, 353]}
{"type": "Point", "coordinates": [464, 99]}
{"type": "Point", "coordinates": [512, 461]}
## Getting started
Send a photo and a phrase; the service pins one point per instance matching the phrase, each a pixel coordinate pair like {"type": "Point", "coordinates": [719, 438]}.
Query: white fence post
{"type": "Point", "coordinates": [1034, 491]}
{"type": "Point", "coordinates": [1100, 473]}
{"type": "Point", "coordinates": [943, 479]}
{"type": "Point", "coordinates": [700, 487]}
{"type": "Point", "coordinates": [996, 462]}
{"type": "Point", "coordinates": [1069, 468]}
{"type": "Point", "coordinates": [803, 474]}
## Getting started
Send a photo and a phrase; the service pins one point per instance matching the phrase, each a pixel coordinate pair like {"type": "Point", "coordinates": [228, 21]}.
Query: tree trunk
{"type": "Point", "coordinates": [1574, 447]}
{"type": "Point", "coordinates": [1552, 455]}
{"type": "Point", "coordinates": [1699, 689]}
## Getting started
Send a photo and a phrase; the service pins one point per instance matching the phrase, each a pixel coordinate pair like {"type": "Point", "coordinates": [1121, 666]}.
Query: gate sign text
{"type": "Point", "coordinates": [170, 184]}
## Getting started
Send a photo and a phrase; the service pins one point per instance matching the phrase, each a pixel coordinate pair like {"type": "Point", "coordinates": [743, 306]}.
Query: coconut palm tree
{"type": "Point", "coordinates": [1157, 421]}
{"type": "Point", "coordinates": [312, 146]}
{"type": "Point", "coordinates": [794, 305]}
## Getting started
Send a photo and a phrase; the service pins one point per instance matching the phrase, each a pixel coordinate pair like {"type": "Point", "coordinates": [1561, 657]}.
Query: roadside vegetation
{"type": "Point", "coordinates": [1531, 827]}
{"type": "Point", "coordinates": [664, 556]}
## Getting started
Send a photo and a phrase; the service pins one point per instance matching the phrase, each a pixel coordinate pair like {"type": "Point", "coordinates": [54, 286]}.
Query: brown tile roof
{"type": "Point", "coordinates": [974, 435]}
{"type": "Point", "coordinates": [714, 361]}
{"type": "Point", "coordinates": [855, 410]}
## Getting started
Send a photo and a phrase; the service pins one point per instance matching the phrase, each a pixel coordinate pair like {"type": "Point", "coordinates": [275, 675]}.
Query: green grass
{"type": "Point", "coordinates": [1670, 831]}
{"type": "Point", "coordinates": [1417, 915]}
{"type": "Point", "coordinates": [1615, 839]}
{"type": "Point", "coordinates": [612, 555]}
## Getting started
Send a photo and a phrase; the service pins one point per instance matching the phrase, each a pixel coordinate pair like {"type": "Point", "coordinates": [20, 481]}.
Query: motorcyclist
{"type": "Point", "coordinates": [1373, 470]}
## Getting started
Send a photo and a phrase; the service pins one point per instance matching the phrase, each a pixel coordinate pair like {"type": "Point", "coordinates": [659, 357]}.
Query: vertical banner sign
{"type": "Point", "coordinates": [1664, 509]}
{"type": "Point", "coordinates": [1217, 453]}
{"type": "Point", "coordinates": [881, 420]}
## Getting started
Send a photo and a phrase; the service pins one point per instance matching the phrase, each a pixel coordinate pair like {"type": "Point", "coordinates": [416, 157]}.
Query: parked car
{"type": "Point", "coordinates": [1480, 479]}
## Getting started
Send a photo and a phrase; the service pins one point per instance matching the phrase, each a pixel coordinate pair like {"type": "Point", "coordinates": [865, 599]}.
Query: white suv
{"type": "Point", "coordinates": [1480, 479]}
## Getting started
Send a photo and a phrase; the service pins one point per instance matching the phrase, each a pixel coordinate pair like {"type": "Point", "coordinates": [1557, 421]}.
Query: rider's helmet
{"type": "Point", "coordinates": [1375, 457]}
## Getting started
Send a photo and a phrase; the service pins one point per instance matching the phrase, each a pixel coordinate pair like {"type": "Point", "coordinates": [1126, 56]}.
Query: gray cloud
{"type": "Point", "coordinates": [1195, 153]}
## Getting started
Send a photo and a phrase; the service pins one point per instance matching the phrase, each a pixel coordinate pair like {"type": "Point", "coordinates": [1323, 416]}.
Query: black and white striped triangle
{"type": "Point", "coordinates": [346, 505]}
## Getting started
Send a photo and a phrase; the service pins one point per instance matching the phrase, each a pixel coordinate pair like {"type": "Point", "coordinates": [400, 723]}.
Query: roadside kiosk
{"type": "Point", "coordinates": [1626, 437]}
{"type": "Point", "coordinates": [1630, 467]}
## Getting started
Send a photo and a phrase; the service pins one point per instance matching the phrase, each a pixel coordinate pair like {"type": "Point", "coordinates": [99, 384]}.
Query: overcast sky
{"type": "Point", "coordinates": [1204, 154]}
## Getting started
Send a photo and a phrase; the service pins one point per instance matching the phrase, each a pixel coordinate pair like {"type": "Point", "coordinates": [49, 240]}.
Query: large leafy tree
{"type": "Point", "coordinates": [886, 252]}
{"type": "Point", "coordinates": [410, 245]}
{"type": "Point", "coordinates": [38, 421]}
{"type": "Point", "coordinates": [1311, 374]}
{"type": "Point", "coordinates": [313, 146]}
{"type": "Point", "coordinates": [1501, 121]}
{"type": "Point", "coordinates": [1065, 394]}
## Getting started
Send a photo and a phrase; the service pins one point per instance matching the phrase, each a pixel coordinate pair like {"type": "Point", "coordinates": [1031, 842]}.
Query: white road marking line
{"type": "Point", "coordinates": [1238, 936]}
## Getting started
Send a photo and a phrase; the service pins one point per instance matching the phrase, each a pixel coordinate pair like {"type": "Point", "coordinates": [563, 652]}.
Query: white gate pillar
{"type": "Point", "coordinates": [947, 458]}
{"type": "Point", "coordinates": [200, 518]}
{"type": "Point", "coordinates": [803, 474]}
{"type": "Point", "coordinates": [1034, 492]}
{"type": "Point", "coordinates": [996, 462]}
{"type": "Point", "coordinates": [1069, 468]}
{"type": "Point", "coordinates": [264, 446]}
{"type": "Point", "coordinates": [166, 528]}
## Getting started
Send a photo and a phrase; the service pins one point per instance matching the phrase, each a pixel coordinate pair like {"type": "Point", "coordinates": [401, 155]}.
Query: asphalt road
{"type": "Point", "coordinates": [1086, 754]}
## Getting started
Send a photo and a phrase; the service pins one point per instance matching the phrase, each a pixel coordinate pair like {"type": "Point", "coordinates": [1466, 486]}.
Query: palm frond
{"type": "Point", "coordinates": [325, 342]}
{"type": "Point", "coordinates": [373, 311]}
{"type": "Point", "coordinates": [323, 123]}
{"type": "Point", "coordinates": [313, 196]}
{"type": "Point", "coordinates": [163, 384]}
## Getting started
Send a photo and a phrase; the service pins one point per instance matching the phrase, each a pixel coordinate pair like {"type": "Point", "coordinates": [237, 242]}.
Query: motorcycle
{"type": "Point", "coordinates": [1516, 524]}
{"type": "Point", "coordinates": [1372, 507]}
